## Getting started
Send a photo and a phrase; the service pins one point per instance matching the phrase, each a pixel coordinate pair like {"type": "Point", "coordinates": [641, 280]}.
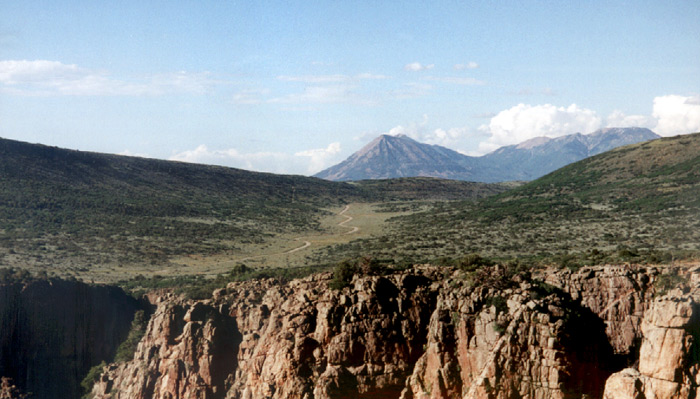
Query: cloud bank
{"type": "Point", "coordinates": [672, 115]}
{"type": "Point", "coordinates": [303, 162]}
{"type": "Point", "coordinates": [417, 67]}
{"type": "Point", "coordinates": [469, 65]}
{"type": "Point", "coordinates": [676, 114]}
{"type": "Point", "coordinates": [523, 122]}
{"type": "Point", "coordinates": [53, 78]}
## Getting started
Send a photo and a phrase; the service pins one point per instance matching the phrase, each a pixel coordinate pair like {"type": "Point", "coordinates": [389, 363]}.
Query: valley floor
{"type": "Point", "coordinates": [343, 225]}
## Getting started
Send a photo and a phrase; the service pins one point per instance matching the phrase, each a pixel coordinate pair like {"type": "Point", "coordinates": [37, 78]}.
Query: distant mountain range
{"type": "Point", "coordinates": [400, 156]}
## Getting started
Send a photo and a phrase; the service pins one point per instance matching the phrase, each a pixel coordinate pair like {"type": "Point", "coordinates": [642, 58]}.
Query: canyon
{"type": "Point", "coordinates": [52, 331]}
{"type": "Point", "coordinates": [613, 332]}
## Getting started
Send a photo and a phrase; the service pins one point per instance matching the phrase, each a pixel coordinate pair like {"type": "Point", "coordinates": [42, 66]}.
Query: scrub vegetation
{"type": "Point", "coordinates": [157, 224]}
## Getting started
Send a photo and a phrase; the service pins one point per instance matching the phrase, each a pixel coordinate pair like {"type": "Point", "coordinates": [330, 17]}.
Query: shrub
{"type": "Point", "coordinates": [666, 282]}
{"type": "Point", "coordinates": [342, 275]}
{"type": "Point", "coordinates": [473, 261]}
{"type": "Point", "coordinates": [126, 350]}
{"type": "Point", "coordinates": [89, 381]}
{"type": "Point", "coordinates": [499, 302]}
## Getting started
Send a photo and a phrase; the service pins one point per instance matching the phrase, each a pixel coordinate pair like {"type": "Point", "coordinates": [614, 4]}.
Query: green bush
{"type": "Point", "coordinates": [499, 302]}
{"type": "Point", "coordinates": [342, 275]}
{"type": "Point", "coordinates": [126, 350]}
{"type": "Point", "coordinates": [473, 261]}
{"type": "Point", "coordinates": [666, 282]}
{"type": "Point", "coordinates": [89, 381]}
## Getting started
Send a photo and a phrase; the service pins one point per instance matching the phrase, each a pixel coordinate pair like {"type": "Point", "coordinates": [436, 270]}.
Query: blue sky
{"type": "Point", "coordinates": [293, 87]}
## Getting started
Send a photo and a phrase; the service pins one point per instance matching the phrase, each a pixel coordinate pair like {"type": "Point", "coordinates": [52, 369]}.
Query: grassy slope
{"type": "Point", "coordinates": [644, 197]}
{"type": "Point", "coordinates": [103, 208]}
{"type": "Point", "coordinates": [72, 209]}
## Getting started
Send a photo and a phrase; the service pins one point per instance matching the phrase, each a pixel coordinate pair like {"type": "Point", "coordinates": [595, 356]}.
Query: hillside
{"type": "Point", "coordinates": [429, 189]}
{"type": "Point", "coordinates": [72, 211]}
{"type": "Point", "coordinates": [637, 200]}
{"type": "Point", "coordinates": [400, 156]}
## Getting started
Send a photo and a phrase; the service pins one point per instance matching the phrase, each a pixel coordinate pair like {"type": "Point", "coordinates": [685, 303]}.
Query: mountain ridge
{"type": "Point", "coordinates": [400, 156]}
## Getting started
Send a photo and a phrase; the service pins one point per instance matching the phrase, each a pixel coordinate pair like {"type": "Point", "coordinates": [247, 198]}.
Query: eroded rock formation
{"type": "Point", "coordinates": [423, 333]}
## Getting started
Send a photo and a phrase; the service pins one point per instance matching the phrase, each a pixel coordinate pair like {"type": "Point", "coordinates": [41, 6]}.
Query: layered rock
{"type": "Point", "coordinates": [527, 341]}
{"type": "Point", "coordinates": [668, 361]}
{"type": "Point", "coordinates": [422, 333]}
{"type": "Point", "coordinates": [188, 352]}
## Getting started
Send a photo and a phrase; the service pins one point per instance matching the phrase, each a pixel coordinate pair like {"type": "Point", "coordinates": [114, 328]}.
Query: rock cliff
{"type": "Point", "coordinates": [53, 331]}
{"type": "Point", "coordinates": [427, 332]}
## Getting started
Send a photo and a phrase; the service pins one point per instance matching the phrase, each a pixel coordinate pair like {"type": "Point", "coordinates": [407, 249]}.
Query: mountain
{"type": "Point", "coordinates": [537, 157]}
{"type": "Point", "coordinates": [400, 156]}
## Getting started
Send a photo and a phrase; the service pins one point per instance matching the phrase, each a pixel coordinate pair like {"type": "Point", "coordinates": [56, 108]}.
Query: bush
{"type": "Point", "coordinates": [666, 282]}
{"type": "Point", "coordinates": [342, 275]}
{"type": "Point", "coordinates": [472, 262]}
{"type": "Point", "coordinates": [126, 350]}
{"type": "Point", "coordinates": [499, 302]}
{"type": "Point", "coordinates": [92, 376]}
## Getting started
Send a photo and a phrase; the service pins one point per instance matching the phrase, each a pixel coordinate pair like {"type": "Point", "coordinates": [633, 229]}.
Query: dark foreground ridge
{"type": "Point", "coordinates": [53, 331]}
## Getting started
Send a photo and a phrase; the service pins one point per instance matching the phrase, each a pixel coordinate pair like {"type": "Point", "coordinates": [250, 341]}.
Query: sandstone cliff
{"type": "Point", "coordinates": [422, 333]}
{"type": "Point", "coordinates": [53, 331]}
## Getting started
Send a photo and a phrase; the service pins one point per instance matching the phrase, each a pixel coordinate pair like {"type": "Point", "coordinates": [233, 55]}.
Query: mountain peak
{"type": "Point", "coordinates": [535, 142]}
{"type": "Point", "coordinates": [389, 156]}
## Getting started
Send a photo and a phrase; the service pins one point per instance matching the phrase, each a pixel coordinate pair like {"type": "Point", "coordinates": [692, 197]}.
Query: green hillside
{"type": "Point", "coordinates": [104, 208]}
{"type": "Point", "coordinates": [72, 210]}
{"type": "Point", "coordinates": [637, 201]}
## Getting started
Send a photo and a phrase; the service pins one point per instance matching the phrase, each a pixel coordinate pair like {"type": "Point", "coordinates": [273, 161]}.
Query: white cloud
{"type": "Point", "coordinates": [414, 130]}
{"type": "Point", "coordinates": [417, 67]}
{"type": "Point", "coordinates": [249, 97]}
{"type": "Point", "coordinates": [275, 162]}
{"type": "Point", "coordinates": [53, 78]}
{"type": "Point", "coordinates": [676, 114]}
{"type": "Point", "coordinates": [302, 162]}
{"type": "Point", "coordinates": [129, 153]}
{"type": "Point", "coordinates": [371, 76]}
{"type": "Point", "coordinates": [319, 94]}
{"type": "Point", "coordinates": [320, 79]}
{"type": "Point", "coordinates": [456, 80]}
{"type": "Point", "coordinates": [314, 78]}
{"type": "Point", "coordinates": [319, 158]}
{"type": "Point", "coordinates": [411, 90]}
{"type": "Point", "coordinates": [527, 91]}
{"type": "Point", "coordinates": [469, 65]}
{"type": "Point", "coordinates": [620, 119]}
{"type": "Point", "coordinates": [524, 122]}
{"type": "Point", "coordinates": [451, 138]}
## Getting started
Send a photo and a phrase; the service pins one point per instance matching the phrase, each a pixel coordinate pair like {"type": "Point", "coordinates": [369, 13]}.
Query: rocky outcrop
{"type": "Point", "coordinates": [188, 351]}
{"type": "Point", "coordinates": [489, 343]}
{"type": "Point", "coordinates": [669, 355]}
{"type": "Point", "coordinates": [53, 331]}
{"type": "Point", "coordinates": [423, 333]}
{"type": "Point", "coordinates": [619, 295]}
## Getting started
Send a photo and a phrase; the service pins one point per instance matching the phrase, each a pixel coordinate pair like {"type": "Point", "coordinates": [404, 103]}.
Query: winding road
{"type": "Point", "coordinates": [349, 218]}
{"type": "Point", "coordinates": [307, 244]}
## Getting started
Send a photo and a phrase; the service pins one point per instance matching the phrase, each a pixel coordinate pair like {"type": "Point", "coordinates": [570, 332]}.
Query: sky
{"type": "Point", "coordinates": [297, 86]}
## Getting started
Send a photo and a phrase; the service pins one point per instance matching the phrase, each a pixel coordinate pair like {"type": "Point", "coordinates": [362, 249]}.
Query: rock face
{"type": "Point", "coordinates": [422, 333]}
{"type": "Point", "coordinates": [53, 331]}
{"type": "Point", "coordinates": [668, 361]}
